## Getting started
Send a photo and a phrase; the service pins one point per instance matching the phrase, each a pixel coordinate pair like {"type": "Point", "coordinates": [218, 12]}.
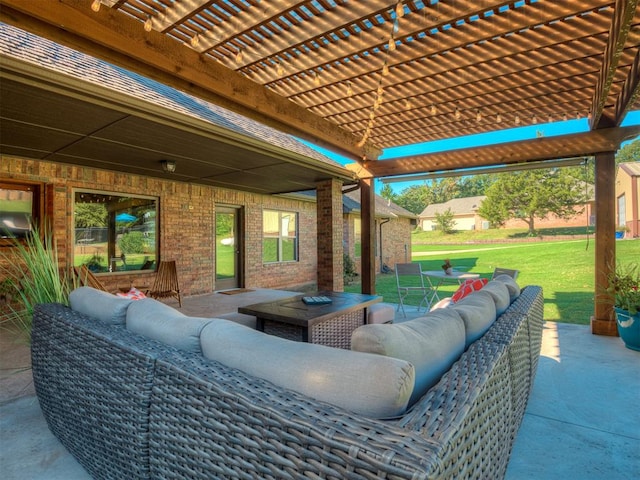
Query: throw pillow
{"type": "Point", "coordinates": [133, 294]}
{"type": "Point", "coordinates": [468, 286]}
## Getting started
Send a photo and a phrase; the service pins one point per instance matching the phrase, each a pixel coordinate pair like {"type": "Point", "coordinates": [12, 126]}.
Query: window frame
{"type": "Point", "coordinates": [280, 237]}
{"type": "Point", "coordinates": [112, 264]}
{"type": "Point", "coordinates": [37, 190]}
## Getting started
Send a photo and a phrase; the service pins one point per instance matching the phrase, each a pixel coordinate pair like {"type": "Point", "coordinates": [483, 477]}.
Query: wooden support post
{"type": "Point", "coordinates": [603, 322]}
{"type": "Point", "coordinates": [368, 221]}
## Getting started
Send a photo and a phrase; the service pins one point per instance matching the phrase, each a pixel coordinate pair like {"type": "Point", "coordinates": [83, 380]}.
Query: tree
{"type": "Point", "coordinates": [90, 215]}
{"type": "Point", "coordinates": [532, 194]}
{"type": "Point", "coordinates": [413, 198]}
{"type": "Point", "coordinates": [445, 221]}
{"type": "Point", "coordinates": [629, 153]}
{"type": "Point", "coordinates": [474, 185]}
{"type": "Point", "coordinates": [387, 193]}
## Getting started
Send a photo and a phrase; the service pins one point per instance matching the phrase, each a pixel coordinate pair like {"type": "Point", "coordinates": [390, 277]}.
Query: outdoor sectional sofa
{"type": "Point", "coordinates": [130, 406]}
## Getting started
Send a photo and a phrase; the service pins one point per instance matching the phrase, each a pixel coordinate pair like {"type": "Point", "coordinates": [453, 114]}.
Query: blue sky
{"type": "Point", "coordinates": [501, 136]}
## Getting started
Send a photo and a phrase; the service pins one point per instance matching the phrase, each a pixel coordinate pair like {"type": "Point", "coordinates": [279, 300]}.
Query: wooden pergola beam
{"type": "Point", "coordinates": [538, 149]}
{"type": "Point", "coordinates": [121, 40]}
{"type": "Point", "coordinates": [620, 26]}
{"type": "Point", "coordinates": [630, 90]}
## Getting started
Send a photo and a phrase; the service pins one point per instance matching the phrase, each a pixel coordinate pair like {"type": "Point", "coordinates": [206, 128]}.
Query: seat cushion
{"type": "Point", "coordinates": [478, 311]}
{"type": "Point", "coordinates": [430, 343]}
{"type": "Point", "coordinates": [500, 293]}
{"type": "Point", "coordinates": [511, 284]}
{"type": "Point", "coordinates": [369, 385]}
{"type": "Point", "coordinates": [381, 313]}
{"type": "Point", "coordinates": [101, 305]}
{"type": "Point", "coordinates": [154, 319]}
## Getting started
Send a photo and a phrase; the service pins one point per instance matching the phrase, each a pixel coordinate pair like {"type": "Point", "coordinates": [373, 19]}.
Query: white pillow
{"type": "Point", "coordinates": [478, 311]}
{"type": "Point", "coordinates": [98, 304]}
{"type": "Point", "coordinates": [370, 385]}
{"type": "Point", "coordinates": [430, 343]}
{"type": "Point", "coordinates": [158, 321]}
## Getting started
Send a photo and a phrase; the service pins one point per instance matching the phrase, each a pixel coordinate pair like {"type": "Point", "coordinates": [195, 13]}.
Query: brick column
{"type": "Point", "coordinates": [330, 235]}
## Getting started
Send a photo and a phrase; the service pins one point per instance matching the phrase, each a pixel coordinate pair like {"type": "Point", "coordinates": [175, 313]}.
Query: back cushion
{"type": "Point", "coordinates": [500, 294]}
{"type": "Point", "coordinates": [98, 304]}
{"type": "Point", "coordinates": [478, 311]}
{"type": "Point", "coordinates": [430, 343]}
{"type": "Point", "coordinates": [512, 286]}
{"type": "Point", "coordinates": [369, 385]}
{"type": "Point", "coordinates": [158, 321]}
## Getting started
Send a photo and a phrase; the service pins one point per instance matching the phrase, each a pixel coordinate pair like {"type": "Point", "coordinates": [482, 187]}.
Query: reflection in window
{"type": "Point", "coordinates": [280, 236]}
{"type": "Point", "coordinates": [19, 209]}
{"type": "Point", "coordinates": [114, 233]}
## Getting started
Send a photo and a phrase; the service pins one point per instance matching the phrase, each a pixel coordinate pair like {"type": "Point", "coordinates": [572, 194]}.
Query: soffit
{"type": "Point", "coordinates": [360, 76]}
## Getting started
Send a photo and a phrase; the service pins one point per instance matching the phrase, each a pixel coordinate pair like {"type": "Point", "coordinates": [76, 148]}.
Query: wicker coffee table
{"type": "Point", "coordinates": [330, 324]}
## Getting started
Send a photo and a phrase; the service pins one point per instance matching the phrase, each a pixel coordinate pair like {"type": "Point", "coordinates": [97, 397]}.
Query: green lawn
{"type": "Point", "coordinates": [564, 269]}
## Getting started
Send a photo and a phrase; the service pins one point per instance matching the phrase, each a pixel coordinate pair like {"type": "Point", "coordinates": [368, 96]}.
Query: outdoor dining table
{"type": "Point", "coordinates": [435, 278]}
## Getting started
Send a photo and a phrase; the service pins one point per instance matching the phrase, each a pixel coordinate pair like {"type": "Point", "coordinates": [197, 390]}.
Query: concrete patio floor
{"type": "Point", "coordinates": [582, 421]}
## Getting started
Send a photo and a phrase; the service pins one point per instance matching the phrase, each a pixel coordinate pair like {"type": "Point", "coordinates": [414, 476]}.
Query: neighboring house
{"type": "Point", "coordinates": [628, 198]}
{"type": "Point", "coordinates": [393, 223]}
{"type": "Point", "coordinates": [465, 214]}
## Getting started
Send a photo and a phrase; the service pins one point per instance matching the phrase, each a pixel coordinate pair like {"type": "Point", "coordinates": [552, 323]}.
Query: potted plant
{"type": "Point", "coordinates": [447, 267]}
{"type": "Point", "coordinates": [624, 289]}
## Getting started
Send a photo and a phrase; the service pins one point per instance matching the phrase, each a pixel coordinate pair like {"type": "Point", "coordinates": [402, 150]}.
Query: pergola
{"type": "Point", "coordinates": [357, 77]}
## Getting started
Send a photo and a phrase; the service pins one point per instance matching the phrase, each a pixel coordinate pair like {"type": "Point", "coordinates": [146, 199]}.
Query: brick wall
{"type": "Point", "coordinates": [186, 223]}
{"type": "Point", "coordinates": [395, 241]}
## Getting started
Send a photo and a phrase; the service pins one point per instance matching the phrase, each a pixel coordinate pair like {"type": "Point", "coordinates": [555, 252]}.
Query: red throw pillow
{"type": "Point", "coordinates": [467, 287]}
{"type": "Point", "coordinates": [133, 294]}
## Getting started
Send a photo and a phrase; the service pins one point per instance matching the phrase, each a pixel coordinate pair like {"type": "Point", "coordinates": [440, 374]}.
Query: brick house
{"type": "Point", "coordinates": [628, 198]}
{"type": "Point", "coordinates": [465, 213]}
{"type": "Point", "coordinates": [182, 211]}
{"type": "Point", "coordinates": [393, 226]}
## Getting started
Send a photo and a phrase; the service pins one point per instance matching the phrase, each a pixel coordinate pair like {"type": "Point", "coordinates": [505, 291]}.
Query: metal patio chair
{"type": "Point", "coordinates": [410, 281]}
{"type": "Point", "coordinates": [505, 271]}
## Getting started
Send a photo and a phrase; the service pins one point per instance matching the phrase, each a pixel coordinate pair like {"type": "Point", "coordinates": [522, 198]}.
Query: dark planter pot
{"type": "Point", "coordinates": [629, 328]}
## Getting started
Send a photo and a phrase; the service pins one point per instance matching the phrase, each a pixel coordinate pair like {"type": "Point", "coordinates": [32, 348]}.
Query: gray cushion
{"type": "Point", "coordinates": [101, 305]}
{"type": "Point", "coordinates": [369, 385]}
{"type": "Point", "coordinates": [512, 286]}
{"type": "Point", "coordinates": [500, 293]}
{"type": "Point", "coordinates": [478, 311]}
{"type": "Point", "coordinates": [430, 343]}
{"type": "Point", "coordinates": [246, 320]}
{"type": "Point", "coordinates": [164, 324]}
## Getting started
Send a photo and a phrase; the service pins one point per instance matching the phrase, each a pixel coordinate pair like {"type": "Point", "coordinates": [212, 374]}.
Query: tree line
{"type": "Point", "coordinates": [526, 195]}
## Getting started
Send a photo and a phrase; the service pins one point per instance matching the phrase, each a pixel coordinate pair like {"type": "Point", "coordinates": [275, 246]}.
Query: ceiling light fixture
{"type": "Point", "coordinates": [534, 119]}
{"type": "Point", "coordinates": [498, 118]}
{"type": "Point", "coordinates": [434, 110]}
{"type": "Point", "coordinates": [168, 166]}
{"type": "Point", "coordinates": [148, 24]}
{"type": "Point", "coordinates": [195, 41]}
{"type": "Point", "coordinates": [280, 69]}
{"type": "Point", "coordinates": [349, 89]}
{"type": "Point", "coordinates": [400, 10]}
{"type": "Point", "coordinates": [457, 114]}
{"type": "Point", "coordinates": [316, 79]}
{"type": "Point", "coordinates": [95, 6]}
{"type": "Point", "coordinates": [239, 56]}
{"type": "Point", "coordinates": [385, 69]}
{"type": "Point", "coordinates": [478, 116]}
{"type": "Point", "coordinates": [407, 104]}
{"type": "Point", "coordinates": [516, 120]}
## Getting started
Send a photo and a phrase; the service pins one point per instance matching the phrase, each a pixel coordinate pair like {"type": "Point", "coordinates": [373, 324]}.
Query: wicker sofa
{"type": "Point", "coordinates": [128, 406]}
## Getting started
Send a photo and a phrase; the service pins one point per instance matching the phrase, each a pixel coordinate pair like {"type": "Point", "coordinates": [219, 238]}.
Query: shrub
{"type": "Point", "coordinates": [132, 242]}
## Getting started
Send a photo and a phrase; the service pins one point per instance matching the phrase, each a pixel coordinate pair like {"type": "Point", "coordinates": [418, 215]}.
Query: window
{"type": "Point", "coordinates": [622, 211]}
{"type": "Point", "coordinates": [280, 236]}
{"type": "Point", "coordinates": [114, 233]}
{"type": "Point", "coordinates": [20, 205]}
